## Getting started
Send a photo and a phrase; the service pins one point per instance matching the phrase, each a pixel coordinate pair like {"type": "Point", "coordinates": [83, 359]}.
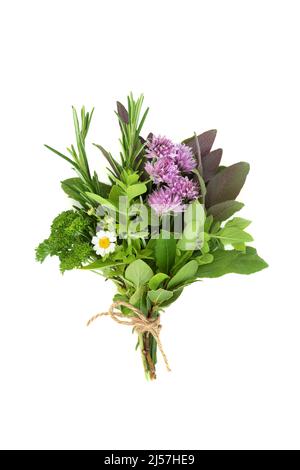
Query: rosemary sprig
{"type": "Point", "coordinates": [131, 124]}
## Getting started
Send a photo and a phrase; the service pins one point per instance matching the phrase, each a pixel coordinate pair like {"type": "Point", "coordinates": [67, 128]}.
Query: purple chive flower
{"type": "Point", "coordinates": [160, 147]}
{"type": "Point", "coordinates": [185, 188]}
{"type": "Point", "coordinates": [166, 166]}
{"type": "Point", "coordinates": [184, 158]}
{"type": "Point", "coordinates": [164, 200]}
{"type": "Point", "coordinates": [163, 170]}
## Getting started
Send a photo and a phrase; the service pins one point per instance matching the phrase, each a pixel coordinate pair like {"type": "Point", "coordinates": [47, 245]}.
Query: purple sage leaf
{"type": "Point", "coordinates": [224, 210]}
{"type": "Point", "coordinates": [122, 112]}
{"type": "Point", "coordinates": [210, 163]}
{"type": "Point", "coordinates": [227, 184]}
{"type": "Point", "coordinates": [205, 140]}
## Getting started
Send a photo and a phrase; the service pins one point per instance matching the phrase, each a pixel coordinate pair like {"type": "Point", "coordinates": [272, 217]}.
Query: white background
{"type": "Point", "coordinates": [233, 342]}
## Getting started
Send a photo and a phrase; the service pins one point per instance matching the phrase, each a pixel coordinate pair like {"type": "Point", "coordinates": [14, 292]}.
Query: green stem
{"type": "Point", "coordinates": [148, 347]}
{"type": "Point", "coordinates": [145, 364]}
{"type": "Point", "coordinates": [147, 340]}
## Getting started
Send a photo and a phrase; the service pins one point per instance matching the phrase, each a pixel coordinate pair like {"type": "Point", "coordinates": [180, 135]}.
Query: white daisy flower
{"type": "Point", "coordinates": [104, 242]}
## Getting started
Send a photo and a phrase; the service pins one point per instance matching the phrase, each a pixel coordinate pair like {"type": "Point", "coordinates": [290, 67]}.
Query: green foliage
{"type": "Point", "coordinates": [127, 188]}
{"type": "Point", "coordinates": [42, 251]}
{"type": "Point", "coordinates": [131, 124]}
{"type": "Point", "coordinates": [238, 222]}
{"type": "Point", "coordinates": [102, 201]}
{"type": "Point", "coordinates": [76, 188]}
{"type": "Point", "coordinates": [139, 273]}
{"type": "Point", "coordinates": [232, 261]}
{"type": "Point", "coordinates": [192, 237]}
{"type": "Point", "coordinates": [156, 280]}
{"type": "Point", "coordinates": [115, 167]}
{"type": "Point", "coordinates": [80, 252]}
{"type": "Point", "coordinates": [186, 273]}
{"type": "Point", "coordinates": [150, 275]}
{"type": "Point", "coordinates": [107, 263]}
{"type": "Point", "coordinates": [137, 296]}
{"type": "Point", "coordinates": [120, 258]}
{"type": "Point", "coordinates": [230, 235]}
{"type": "Point", "coordinates": [208, 223]}
{"type": "Point", "coordinates": [233, 233]}
{"type": "Point", "coordinates": [164, 252]}
{"type": "Point", "coordinates": [69, 240]}
{"type": "Point", "coordinates": [135, 190]}
{"type": "Point", "coordinates": [159, 296]}
{"type": "Point", "coordinates": [205, 259]}
{"type": "Point", "coordinates": [176, 294]}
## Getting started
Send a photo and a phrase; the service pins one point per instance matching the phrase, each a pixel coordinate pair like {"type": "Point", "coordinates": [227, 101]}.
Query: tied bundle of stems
{"type": "Point", "coordinates": [148, 346]}
{"type": "Point", "coordinates": [160, 219]}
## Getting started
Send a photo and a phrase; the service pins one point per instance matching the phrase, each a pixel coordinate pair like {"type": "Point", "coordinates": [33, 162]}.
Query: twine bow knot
{"type": "Point", "coordinates": [139, 323]}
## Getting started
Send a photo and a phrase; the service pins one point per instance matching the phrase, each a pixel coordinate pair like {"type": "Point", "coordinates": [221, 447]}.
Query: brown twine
{"type": "Point", "coordinates": [140, 323]}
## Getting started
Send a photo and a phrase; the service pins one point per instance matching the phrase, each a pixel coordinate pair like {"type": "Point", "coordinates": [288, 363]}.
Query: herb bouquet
{"type": "Point", "coordinates": [162, 222]}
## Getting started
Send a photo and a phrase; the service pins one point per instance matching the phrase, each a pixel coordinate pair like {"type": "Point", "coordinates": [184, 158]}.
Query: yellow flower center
{"type": "Point", "coordinates": [104, 242]}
